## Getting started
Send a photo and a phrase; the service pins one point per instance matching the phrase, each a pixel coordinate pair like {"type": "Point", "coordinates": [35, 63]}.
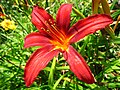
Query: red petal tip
{"type": "Point", "coordinates": [78, 66]}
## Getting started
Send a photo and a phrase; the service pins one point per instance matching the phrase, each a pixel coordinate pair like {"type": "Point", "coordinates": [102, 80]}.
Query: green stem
{"type": "Point", "coordinates": [118, 19]}
{"type": "Point", "coordinates": [2, 9]}
{"type": "Point", "coordinates": [57, 68]}
{"type": "Point", "coordinates": [68, 1]}
{"type": "Point", "coordinates": [63, 68]}
{"type": "Point", "coordinates": [110, 31]}
{"type": "Point", "coordinates": [17, 2]}
{"type": "Point", "coordinates": [32, 2]}
{"type": "Point", "coordinates": [105, 7]}
{"type": "Point", "coordinates": [58, 81]}
{"type": "Point", "coordinates": [78, 13]}
{"type": "Point", "coordinates": [95, 6]}
{"type": "Point", "coordinates": [47, 5]}
{"type": "Point", "coordinates": [52, 70]}
{"type": "Point", "coordinates": [86, 40]}
{"type": "Point", "coordinates": [21, 24]}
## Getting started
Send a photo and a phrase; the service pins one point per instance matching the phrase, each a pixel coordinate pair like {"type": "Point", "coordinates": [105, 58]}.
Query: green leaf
{"type": "Point", "coordinates": [116, 40]}
{"type": "Point", "coordinates": [100, 88]}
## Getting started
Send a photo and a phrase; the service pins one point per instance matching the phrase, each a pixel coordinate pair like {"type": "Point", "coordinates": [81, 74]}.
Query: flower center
{"type": "Point", "coordinates": [62, 46]}
{"type": "Point", "coordinates": [59, 39]}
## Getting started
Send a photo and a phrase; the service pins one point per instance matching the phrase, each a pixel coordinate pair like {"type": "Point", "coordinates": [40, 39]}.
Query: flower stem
{"type": "Point", "coordinates": [63, 68]}
{"type": "Point", "coordinates": [2, 9]}
{"type": "Point", "coordinates": [105, 7]}
{"type": "Point", "coordinates": [118, 19]}
{"type": "Point", "coordinates": [86, 40]}
{"type": "Point", "coordinates": [110, 31]}
{"type": "Point", "coordinates": [78, 13]}
{"type": "Point", "coordinates": [32, 2]}
{"type": "Point", "coordinates": [58, 81]}
{"type": "Point", "coordinates": [52, 70]}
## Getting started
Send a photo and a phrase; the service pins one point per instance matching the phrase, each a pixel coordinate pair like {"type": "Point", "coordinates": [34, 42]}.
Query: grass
{"type": "Point", "coordinates": [100, 52]}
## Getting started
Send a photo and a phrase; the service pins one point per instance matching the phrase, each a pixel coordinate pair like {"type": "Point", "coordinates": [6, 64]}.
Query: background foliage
{"type": "Point", "coordinates": [100, 52]}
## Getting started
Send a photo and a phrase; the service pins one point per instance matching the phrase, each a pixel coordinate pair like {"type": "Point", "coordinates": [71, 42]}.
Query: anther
{"type": "Point", "coordinates": [50, 21]}
{"type": "Point", "coordinates": [42, 28]}
{"type": "Point", "coordinates": [48, 30]}
{"type": "Point", "coordinates": [46, 22]}
{"type": "Point", "coordinates": [54, 27]}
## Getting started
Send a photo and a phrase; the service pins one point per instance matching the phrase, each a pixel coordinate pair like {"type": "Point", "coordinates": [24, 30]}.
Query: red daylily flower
{"type": "Point", "coordinates": [56, 36]}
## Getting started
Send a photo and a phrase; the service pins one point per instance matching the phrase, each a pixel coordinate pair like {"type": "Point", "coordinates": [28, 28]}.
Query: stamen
{"type": "Point", "coordinates": [53, 31]}
{"type": "Point", "coordinates": [58, 32]}
{"type": "Point", "coordinates": [50, 21]}
{"type": "Point", "coordinates": [48, 30]}
{"type": "Point", "coordinates": [46, 22]}
{"type": "Point", "coordinates": [54, 24]}
{"type": "Point", "coordinates": [42, 28]}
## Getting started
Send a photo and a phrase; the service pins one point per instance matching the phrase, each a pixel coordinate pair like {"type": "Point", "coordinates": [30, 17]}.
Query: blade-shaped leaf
{"type": "Point", "coordinates": [38, 61]}
{"type": "Point", "coordinates": [88, 26]}
{"type": "Point", "coordinates": [78, 66]}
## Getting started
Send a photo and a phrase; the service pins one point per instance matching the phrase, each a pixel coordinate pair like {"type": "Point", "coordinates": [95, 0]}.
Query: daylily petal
{"type": "Point", "coordinates": [95, 5]}
{"type": "Point", "coordinates": [105, 6]}
{"type": "Point", "coordinates": [78, 66]}
{"type": "Point", "coordinates": [38, 60]}
{"type": "Point", "coordinates": [88, 26]}
{"type": "Point", "coordinates": [40, 17]}
{"type": "Point", "coordinates": [63, 17]}
{"type": "Point", "coordinates": [36, 39]}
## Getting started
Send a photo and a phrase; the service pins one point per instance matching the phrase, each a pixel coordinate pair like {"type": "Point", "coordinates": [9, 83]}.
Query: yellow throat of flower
{"type": "Point", "coordinates": [63, 46]}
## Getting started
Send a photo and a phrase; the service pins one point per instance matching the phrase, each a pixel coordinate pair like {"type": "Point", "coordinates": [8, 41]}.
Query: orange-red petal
{"type": "Point", "coordinates": [40, 17]}
{"type": "Point", "coordinates": [78, 65]}
{"type": "Point", "coordinates": [63, 17]}
{"type": "Point", "coordinates": [38, 61]}
{"type": "Point", "coordinates": [88, 25]}
{"type": "Point", "coordinates": [36, 39]}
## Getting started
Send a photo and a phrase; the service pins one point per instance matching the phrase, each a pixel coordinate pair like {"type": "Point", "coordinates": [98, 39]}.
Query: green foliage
{"type": "Point", "coordinates": [101, 53]}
